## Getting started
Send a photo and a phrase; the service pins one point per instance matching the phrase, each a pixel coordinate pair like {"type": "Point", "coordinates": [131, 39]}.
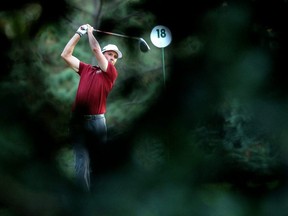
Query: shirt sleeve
{"type": "Point", "coordinates": [82, 67]}
{"type": "Point", "coordinates": [112, 72]}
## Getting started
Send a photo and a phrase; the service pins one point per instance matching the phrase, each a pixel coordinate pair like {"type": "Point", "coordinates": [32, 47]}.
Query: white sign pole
{"type": "Point", "coordinates": [163, 66]}
{"type": "Point", "coordinates": [161, 37]}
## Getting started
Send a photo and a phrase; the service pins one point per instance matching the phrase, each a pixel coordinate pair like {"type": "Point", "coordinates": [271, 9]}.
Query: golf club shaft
{"type": "Point", "coordinates": [116, 34]}
{"type": "Point", "coordinates": [144, 47]}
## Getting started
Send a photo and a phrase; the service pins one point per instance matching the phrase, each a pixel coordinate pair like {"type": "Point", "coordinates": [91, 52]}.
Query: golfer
{"type": "Point", "coordinates": [88, 130]}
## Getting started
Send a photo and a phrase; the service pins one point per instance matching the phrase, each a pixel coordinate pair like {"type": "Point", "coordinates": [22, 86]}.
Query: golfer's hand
{"type": "Point", "coordinates": [90, 28]}
{"type": "Point", "coordinates": [82, 30]}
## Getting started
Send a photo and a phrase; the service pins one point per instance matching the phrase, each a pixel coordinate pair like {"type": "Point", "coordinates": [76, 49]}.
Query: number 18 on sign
{"type": "Point", "coordinates": [161, 37]}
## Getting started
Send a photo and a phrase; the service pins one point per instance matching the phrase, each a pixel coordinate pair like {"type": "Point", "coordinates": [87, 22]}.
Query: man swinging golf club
{"type": "Point", "coordinates": [88, 130]}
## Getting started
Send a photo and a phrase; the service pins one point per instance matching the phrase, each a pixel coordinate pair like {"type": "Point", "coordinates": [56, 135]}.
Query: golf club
{"type": "Point", "coordinates": [144, 47]}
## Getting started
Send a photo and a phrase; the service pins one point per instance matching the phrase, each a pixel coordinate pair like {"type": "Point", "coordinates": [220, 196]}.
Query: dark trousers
{"type": "Point", "coordinates": [88, 135]}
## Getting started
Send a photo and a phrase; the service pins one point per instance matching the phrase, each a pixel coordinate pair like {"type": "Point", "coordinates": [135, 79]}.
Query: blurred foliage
{"type": "Point", "coordinates": [212, 141]}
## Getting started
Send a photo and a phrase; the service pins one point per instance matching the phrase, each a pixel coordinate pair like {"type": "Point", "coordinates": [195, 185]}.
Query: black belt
{"type": "Point", "coordinates": [91, 117]}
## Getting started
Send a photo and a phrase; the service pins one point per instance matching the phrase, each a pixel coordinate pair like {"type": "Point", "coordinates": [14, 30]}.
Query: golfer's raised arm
{"type": "Point", "coordinates": [67, 53]}
{"type": "Point", "coordinates": [96, 49]}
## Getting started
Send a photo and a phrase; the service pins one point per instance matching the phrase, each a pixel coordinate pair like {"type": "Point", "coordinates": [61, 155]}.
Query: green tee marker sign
{"type": "Point", "coordinates": [161, 37]}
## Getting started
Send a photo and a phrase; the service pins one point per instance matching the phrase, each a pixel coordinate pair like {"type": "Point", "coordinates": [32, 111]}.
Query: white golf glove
{"type": "Point", "coordinates": [82, 30]}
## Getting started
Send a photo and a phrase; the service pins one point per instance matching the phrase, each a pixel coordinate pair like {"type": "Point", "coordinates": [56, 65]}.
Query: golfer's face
{"type": "Point", "coordinates": [111, 56]}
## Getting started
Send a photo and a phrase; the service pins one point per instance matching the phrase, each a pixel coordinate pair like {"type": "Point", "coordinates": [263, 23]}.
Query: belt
{"type": "Point", "coordinates": [91, 117]}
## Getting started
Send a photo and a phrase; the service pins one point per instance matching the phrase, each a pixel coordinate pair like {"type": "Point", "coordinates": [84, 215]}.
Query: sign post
{"type": "Point", "coordinates": [161, 37]}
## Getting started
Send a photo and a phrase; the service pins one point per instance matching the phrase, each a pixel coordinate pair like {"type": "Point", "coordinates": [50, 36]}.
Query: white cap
{"type": "Point", "coordinates": [112, 47]}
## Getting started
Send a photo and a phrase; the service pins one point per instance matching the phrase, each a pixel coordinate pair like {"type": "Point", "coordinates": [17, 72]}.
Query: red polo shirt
{"type": "Point", "coordinates": [93, 88]}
